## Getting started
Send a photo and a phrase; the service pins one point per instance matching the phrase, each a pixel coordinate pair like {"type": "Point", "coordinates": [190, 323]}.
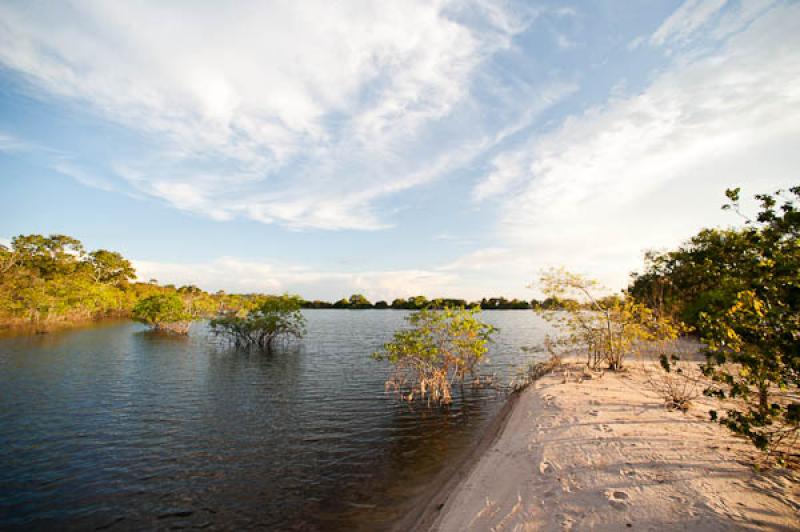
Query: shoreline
{"type": "Point", "coordinates": [605, 454]}
{"type": "Point", "coordinates": [445, 483]}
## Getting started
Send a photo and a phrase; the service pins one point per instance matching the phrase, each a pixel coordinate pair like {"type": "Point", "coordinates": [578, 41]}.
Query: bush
{"type": "Point", "coordinates": [608, 329]}
{"type": "Point", "coordinates": [276, 317]}
{"type": "Point", "coordinates": [166, 312]}
{"type": "Point", "coordinates": [440, 348]}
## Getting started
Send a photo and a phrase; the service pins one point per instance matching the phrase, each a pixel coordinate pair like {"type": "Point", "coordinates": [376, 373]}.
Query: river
{"type": "Point", "coordinates": [115, 427]}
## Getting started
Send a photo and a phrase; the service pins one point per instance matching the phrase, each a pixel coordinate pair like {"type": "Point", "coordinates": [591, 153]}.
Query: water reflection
{"type": "Point", "coordinates": [119, 427]}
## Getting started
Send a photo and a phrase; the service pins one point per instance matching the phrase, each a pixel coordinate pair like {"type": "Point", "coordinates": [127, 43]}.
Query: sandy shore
{"type": "Point", "coordinates": [605, 454]}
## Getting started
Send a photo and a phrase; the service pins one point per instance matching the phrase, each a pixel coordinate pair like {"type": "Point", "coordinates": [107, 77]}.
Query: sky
{"type": "Point", "coordinates": [394, 148]}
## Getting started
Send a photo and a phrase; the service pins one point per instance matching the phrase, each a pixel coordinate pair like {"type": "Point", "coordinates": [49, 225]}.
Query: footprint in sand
{"type": "Point", "coordinates": [617, 500]}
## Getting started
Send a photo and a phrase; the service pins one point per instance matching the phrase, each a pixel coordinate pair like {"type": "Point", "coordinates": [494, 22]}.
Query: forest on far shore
{"type": "Point", "coordinates": [50, 280]}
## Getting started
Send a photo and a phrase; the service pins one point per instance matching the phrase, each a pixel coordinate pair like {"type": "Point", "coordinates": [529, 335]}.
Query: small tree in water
{"type": "Point", "coordinates": [276, 317]}
{"type": "Point", "coordinates": [164, 312]}
{"type": "Point", "coordinates": [439, 349]}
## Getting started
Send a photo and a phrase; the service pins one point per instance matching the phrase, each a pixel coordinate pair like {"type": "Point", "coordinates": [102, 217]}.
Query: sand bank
{"type": "Point", "coordinates": [605, 454]}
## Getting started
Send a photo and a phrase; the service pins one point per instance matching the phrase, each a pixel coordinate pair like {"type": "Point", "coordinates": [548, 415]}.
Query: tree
{"type": "Point", "coordinates": [753, 335]}
{"type": "Point", "coordinates": [399, 303]}
{"type": "Point", "coordinates": [164, 312]}
{"type": "Point", "coordinates": [342, 303]}
{"type": "Point", "coordinates": [276, 317]}
{"type": "Point", "coordinates": [440, 348]}
{"type": "Point", "coordinates": [109, 267]}
{"type": "Point", "coordinates": [357, 301]}
{"type": "Point", "coordinates": [608, 329]}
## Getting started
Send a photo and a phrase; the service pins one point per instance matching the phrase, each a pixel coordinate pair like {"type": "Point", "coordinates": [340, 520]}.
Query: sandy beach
{"type": "Point", "coordinates": [605, 454]}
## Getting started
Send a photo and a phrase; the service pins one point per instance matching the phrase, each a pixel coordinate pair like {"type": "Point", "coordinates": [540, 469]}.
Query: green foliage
{"type": "Point", "coordinates": [164, 312]}
{"type": "Point", "coordinates": [412, 303]}
{"type": "Point", "coordinates": [607, 329]}
{"type": "Point", "coordinates": [501, 303]}
{"type": "Point", "coordinates": [740, 288]}
{"type": "Point", "coordinates": [357, 301]}
{"type": "Point", "coordinates": [754, 339]}
{"type": "Point", "coordinates": [275, 317]}
{"type": "Point", "coordinates": [46, 280]}
{"type": "Point", "coordinates": [109, 267]}
{"type": "Point", "coordinates": [440, 348]}
{"type": "Point", "coordinates": [49, 279]}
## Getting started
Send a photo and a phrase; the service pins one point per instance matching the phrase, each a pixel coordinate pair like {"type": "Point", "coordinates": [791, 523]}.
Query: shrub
{"type": "Point", "coordinates": [165, 312]}
{"type": "Point", "coordinates": [440, 348]}
{"type": "Point", "coordinates": [276, 317]}
{"type": "Point", "coordinates": [608, 329]}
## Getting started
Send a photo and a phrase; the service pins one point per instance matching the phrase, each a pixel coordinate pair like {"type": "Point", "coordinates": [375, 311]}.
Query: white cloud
{"type": "Point", "coordinates": [648, 170]}
{"type": "Point", "coordinates": [301, 113]}
{"type": "Point", "coordinates": [507, 165]}
{"type": "Point", "coordinates": [235, 275]}
{"type": "Point", "coordinates": [82, 176]}
{"type": "Point", "coordinates": [10, 143]}
{"type": "Point", "coordinates": [564, 42]}
{"type": "Point", "coordinates": [690, 16]}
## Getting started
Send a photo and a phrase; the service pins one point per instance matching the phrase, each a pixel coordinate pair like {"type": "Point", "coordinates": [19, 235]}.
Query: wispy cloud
{"type": "Point", "coordinates": [10, 143]}
{"type": "Point", "coordinates": [508, 167]}
{"type": "Point", "coordinates": [299, 113]}
{"type": "Point", "coordinates": [82, 176]}
{"type": "Point", "coordinates": [647, 170]}
{"type": "Point", "coordinates": [686, 20]}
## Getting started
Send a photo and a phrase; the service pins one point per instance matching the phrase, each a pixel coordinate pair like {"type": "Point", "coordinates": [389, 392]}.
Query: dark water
{"type": "Point", "coordinates": [115, 427]}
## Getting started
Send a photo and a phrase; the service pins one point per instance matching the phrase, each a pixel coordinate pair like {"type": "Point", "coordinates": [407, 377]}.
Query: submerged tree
{"type": "Point", "coordinates": [277, 317]}
{"type": "Point", "coordinates": [164, 312]}
{"type": "Point", "coordinates": [439, 349]}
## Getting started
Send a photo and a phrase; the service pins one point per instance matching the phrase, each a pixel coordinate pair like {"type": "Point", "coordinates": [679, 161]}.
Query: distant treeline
{"type": "Point", "coordinates": [46, 280]}
{"type": "Point", "coordinates": [358, 301]}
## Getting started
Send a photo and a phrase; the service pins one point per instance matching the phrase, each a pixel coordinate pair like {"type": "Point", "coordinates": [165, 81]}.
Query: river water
{"type": "Point", "coordinates": [115, 427]}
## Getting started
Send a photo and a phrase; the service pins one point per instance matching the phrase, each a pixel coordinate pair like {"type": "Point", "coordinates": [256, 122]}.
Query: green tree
{"type": "Point", "coordinates": [165, 312]}
{"type": "Point", "coordinates": [48, 257]}
{"type": "Point", "coordinates": [357, 301]}
{"type": "Point", "coordinates": [342, 303]}
{"type": "Point", "coordinates": [109, 267]}
{"type": "Point", "coordinates": [439, 348]}
{"type": "Point", "coordinates": [753, 336]}
{"type": "Point", "coordinates": [609, 329]}
{"type": "Point", "coordinates": [277, 317]}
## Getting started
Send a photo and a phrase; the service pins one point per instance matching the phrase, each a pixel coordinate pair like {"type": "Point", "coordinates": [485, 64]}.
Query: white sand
{"type": "Point", "coordinates": [606, 455]}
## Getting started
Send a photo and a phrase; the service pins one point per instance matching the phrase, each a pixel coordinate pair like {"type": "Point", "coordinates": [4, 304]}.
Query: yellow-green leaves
{"type": "Point", "coordinates": [608, 329]}
{"type": "Point", "coordinates": [439, 347]}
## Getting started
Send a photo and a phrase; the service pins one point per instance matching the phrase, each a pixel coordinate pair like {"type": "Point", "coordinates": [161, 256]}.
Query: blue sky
{"type": "Point", "coordinates": [450, 148]}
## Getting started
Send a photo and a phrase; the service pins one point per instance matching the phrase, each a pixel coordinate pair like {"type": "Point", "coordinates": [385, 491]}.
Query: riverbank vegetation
{"type": "Point", "coordinates": [736, 289]}
{"type": "Point", "coordinates": [608, 329]}
{"type": "Point", "coordinates": [359, 302]}
{"type": "Point", "coordinates": [739, 288]}
{"type": "Point", "coordinates": [48, 281]}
